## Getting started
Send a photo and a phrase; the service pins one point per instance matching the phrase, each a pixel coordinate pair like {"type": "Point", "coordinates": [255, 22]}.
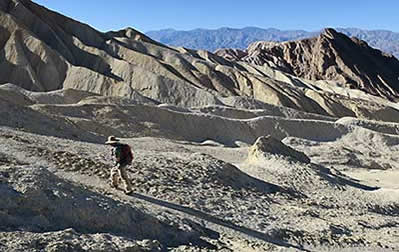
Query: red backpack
{"type": "Point", "coordinates": [127, 155]}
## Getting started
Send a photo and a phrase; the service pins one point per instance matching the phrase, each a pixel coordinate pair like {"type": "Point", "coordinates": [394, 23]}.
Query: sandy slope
{"type": "Point", "coordinates": [197, 185]}
{"type": "Point", "coordinates": [274, 203]}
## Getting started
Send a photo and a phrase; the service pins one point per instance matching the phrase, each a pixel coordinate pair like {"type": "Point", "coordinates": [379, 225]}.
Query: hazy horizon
{"type": "Point", "coordinates": [209, 15]}
{"type": "Point", "coordinates": [267, 28]}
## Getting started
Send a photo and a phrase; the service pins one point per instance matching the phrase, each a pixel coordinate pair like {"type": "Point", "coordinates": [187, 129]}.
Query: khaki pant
{"type": "Point", "coordinates": [119, 172]}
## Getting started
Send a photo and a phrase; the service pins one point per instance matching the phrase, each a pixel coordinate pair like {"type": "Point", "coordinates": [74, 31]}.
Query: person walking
{"type": "Point", "coordinates": [123, 157]}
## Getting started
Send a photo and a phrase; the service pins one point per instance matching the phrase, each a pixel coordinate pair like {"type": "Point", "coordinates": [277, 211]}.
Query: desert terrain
{"type": "Point", "coordinates": [326, 189]}
{"type": "Point", "coordinates": [266, 151]}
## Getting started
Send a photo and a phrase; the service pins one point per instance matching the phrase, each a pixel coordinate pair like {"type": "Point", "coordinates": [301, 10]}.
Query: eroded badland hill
{"type": "Point", "coordinates": [266, 151]}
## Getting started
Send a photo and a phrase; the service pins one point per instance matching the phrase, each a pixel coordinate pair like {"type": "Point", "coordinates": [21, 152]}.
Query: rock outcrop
{"type": "Point", "coordinates": [266, 146]}
{"type": "Point", "coordinates": [330, 56]}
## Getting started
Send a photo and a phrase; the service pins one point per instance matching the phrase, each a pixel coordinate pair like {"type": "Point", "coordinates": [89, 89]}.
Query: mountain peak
{"type": "Point", "coordinates": [127, 32]}
{"type": "Point", "coordinates": [331, 56]}
{"type": "Point", "coordinates": [330, 33]}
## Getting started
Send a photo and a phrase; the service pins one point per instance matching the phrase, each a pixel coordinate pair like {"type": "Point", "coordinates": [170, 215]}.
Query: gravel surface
{"type": "Point", "coordinates": [193, 197]}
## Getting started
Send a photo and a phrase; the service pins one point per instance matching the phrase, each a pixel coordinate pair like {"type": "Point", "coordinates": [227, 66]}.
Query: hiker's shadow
{"type": "Point", "coordinates": [215, 220]}
{"type": "Point", "coordinates": [22, 211]}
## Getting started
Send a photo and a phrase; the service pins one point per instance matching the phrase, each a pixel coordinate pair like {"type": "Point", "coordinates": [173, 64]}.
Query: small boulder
{"type": "Point", "coordinates": [268, 145]}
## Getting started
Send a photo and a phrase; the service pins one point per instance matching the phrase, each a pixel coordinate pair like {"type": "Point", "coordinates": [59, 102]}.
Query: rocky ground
{"type": "Point", "coordinates": [229, 156]}
{"type": "Point", "coordinates": [192, 196]}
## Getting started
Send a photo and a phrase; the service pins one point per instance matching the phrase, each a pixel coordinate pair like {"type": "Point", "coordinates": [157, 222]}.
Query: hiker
{"type": "Point", "coordinates": [122, 155]}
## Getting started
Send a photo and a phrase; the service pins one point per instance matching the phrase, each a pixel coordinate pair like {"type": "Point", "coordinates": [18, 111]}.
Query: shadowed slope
{"type": "Point", "coordinates": [330, 56]}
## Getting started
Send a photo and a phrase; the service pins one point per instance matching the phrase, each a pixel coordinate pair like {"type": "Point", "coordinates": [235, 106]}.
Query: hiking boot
{"type": "Point", "coordinates": [113, 186]}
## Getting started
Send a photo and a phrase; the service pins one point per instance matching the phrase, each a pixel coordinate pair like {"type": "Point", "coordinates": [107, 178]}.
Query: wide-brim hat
{"type": "Point", "coordinates": [112, 140]}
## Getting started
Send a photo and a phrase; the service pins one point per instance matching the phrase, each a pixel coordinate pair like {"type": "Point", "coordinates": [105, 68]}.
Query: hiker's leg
{"type": "Point", "coordinates": [125, 178]}
{"type": "Point", "coordinates": [114, 176]}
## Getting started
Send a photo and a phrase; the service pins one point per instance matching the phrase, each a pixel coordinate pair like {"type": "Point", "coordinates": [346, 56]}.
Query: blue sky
{"type": "Point", "coordinates": [310, 15]}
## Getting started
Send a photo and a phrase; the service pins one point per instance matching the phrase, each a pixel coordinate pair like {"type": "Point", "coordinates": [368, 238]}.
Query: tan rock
{"type": "Point", "coordinates": [46, 51]}
{"type": "Point", "coordinates": [268, 145]}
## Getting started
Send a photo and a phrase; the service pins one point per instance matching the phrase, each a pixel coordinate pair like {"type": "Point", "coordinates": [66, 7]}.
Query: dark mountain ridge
{"type": "Point", "coordinates": [211, 40]}
{"type": "Point", "coordinates": [330, 56]}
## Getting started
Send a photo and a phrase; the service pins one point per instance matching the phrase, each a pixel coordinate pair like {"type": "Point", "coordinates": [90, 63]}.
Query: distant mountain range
{"type": "Point", "coordinates": [211, 40]}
